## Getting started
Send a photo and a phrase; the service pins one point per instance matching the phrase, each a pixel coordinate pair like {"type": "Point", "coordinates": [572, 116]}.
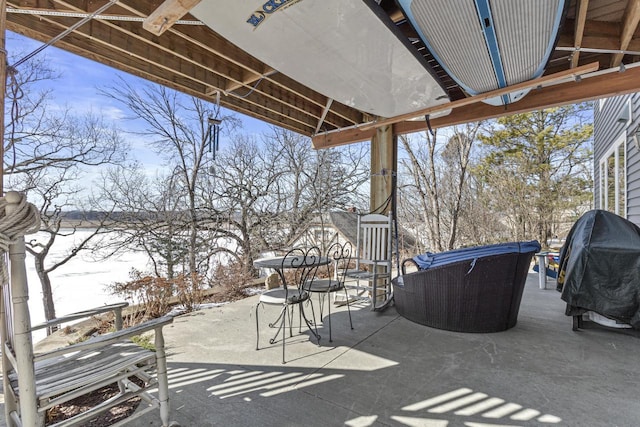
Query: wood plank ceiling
{"type": "Point", "coordinates": [195, 60]}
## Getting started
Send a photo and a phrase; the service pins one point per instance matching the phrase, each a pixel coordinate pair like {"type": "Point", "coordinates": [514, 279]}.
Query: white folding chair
{"type": "Point", "coordinates": [372, 273]}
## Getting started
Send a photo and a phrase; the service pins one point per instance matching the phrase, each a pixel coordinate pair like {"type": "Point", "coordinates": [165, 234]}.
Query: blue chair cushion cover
{"type": "Point", "coordinates": [431, 260]}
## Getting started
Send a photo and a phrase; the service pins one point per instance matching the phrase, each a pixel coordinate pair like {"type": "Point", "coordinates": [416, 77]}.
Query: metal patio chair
{"type": "Point", "coordinates": [297, 271]}
{"type": "Point", "coordinates": [335, 272]}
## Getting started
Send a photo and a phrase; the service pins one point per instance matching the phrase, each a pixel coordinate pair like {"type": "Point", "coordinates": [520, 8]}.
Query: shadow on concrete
{"type": "Point", "coordinates": [389, 371]}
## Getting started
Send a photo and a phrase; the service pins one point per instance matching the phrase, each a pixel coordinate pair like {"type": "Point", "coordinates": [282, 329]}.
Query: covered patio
{"type": "Point", "coordinates": [390, 371]}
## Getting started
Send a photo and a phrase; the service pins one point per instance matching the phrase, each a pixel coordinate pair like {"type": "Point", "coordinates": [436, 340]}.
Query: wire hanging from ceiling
{"type": "Point", "coordinates": [66, 32]}
{"type": "Point", "coordinates": [42, 12]}
{"type": "Point", "coordinates": [13, 86]}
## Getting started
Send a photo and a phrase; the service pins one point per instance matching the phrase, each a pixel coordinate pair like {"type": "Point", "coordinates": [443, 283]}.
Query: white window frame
{"type": "Point", "coordinates": [601, 102]}
{"type": "Point", "coordinates": [615, 151]}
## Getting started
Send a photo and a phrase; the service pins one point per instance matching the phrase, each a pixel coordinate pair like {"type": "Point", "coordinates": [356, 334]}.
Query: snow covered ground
{"type": "Point", "coordinates": [79, 284]}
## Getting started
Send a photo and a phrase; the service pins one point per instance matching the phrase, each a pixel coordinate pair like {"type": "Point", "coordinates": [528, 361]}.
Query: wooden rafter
{"type": "Point", "coordinates": [191, 45]}
{"type": "Point", "coordinates": [240, 67]}
{"type": "Point", "coordinates": [597, 35]}
{"type": "Point", "coordinates": [249, 66]}
{"type": "Point", "coordinates": [190, 78]}
{"type": "Point", "coordinates": [581, 18]}
{"type": "Point", "coordinates": [249, 79]}
{"type": "Point", "coordinates": [629, 26]}
{"type": "Point", "coordinates": [167, 14]}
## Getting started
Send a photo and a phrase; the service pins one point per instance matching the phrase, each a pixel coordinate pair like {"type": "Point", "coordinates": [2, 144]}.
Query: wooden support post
{"type": "Point", "coordinates": [384, 165]}
{"type": "Point", "coordinates": [384, 159]}
{"type": "Point", "coordinates": [22, 325]}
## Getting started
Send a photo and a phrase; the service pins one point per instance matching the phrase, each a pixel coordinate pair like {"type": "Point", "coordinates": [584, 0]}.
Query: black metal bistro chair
{"type": "Point", "coordinates": [297, 271]}
{"type": "Point", "coordinates": [335, 272]}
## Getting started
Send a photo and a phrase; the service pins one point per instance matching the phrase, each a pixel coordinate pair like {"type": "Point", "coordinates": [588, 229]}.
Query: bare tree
{"type": "Point", "coordinates": [436, 182]}
{"type": "Point", "coordinates": [177, 128]}
{"type": "Point", "coordinates": [313, 182]}
{"type": "Point", "coordinates": [55, 192]}
{"type": "Point", "coordinates": [240, 198]}
{"type": "Point", "coordinates": [256, 195]}
{"type": "Point", "coordinates": [148, 217]}
{"type": "Point", "coordinates": [270, 191]}
{"type": "Point", "coordinates": [47, 152]}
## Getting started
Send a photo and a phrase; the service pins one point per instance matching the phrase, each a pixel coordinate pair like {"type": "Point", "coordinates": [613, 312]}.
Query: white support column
{"type": "Point", "coordinates": [9, 401]}
{"type": "Point", "coordinates": [163, 382]}
{"type": "Point", "coordinates": [22, 325]}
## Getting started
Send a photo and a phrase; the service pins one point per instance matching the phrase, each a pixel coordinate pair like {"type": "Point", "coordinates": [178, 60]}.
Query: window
{"type": "Point", "coordinates": [601, 102]}
{"type": "Point", "coordinates": [613, 182]}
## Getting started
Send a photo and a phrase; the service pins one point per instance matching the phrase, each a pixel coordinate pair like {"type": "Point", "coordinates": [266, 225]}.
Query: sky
{"type": "Point", "coordinates": [78, 89]}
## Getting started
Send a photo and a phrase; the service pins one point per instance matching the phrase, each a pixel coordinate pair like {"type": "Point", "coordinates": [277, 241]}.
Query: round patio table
{"type": "Point", "coordinates": [290, 262]}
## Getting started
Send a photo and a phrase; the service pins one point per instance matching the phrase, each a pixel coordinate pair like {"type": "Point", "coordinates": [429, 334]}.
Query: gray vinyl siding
{"type": "Point", "coordinates": [633, 164]}
{"type": "Point", "coordinates": [607, 130]}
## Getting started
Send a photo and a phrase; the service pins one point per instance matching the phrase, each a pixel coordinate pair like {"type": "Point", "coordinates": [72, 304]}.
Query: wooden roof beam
{"type": "Point", "coordinates": [587, 89]}
{"type": "Point", "coordinates": [581, 18]}
{"type": "Point", "coordinates": [629, 26]}
{"type": "Point", "coordinates": [228, 52]}
{"type": "Point", "coordinates": [197, 58]}
{"type": "Point", "coordinates": [167, 14]}
{"type": "Point", "coordinates": [180, 71]}
{"type": "Point", "coordinates": [248, 79]}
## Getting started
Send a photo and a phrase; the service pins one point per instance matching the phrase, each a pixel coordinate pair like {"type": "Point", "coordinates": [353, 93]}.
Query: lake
{"type": "Point", "coordinates": [81, 283]}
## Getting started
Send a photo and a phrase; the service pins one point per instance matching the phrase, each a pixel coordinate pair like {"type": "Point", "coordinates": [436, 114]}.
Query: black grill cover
{"type": "Point", "coordinates": [600, 267]}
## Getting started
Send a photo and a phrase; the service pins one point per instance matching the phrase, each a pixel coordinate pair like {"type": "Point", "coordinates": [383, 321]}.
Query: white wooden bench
{"type": "Point", "coordinates": [33, 383]}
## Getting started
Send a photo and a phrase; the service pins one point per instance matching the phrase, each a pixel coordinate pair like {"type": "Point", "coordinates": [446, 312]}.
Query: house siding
{"type": "Point", "coordinates": [633, 164]}
{"type": "Point", "coordinates": [607, 130]}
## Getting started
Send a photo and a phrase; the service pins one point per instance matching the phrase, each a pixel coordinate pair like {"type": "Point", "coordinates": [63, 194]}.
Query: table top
{"type": "Point", "coordinates": [291, 261]}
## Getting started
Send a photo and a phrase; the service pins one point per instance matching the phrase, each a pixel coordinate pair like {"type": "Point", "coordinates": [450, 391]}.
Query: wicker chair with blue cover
{"type": "Point", "coordinates": [476, 289]}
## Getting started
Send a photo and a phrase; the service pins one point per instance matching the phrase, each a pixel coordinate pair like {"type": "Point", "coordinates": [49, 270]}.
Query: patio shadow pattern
{"type": "Point", "coordinates": [389, 371]}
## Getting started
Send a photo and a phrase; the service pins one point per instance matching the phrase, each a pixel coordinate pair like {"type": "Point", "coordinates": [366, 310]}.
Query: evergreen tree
{"type": "Point", "coordinates": [537, 167]}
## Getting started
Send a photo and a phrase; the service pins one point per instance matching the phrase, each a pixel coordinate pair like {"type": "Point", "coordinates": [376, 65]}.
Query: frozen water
{"type": "Point", "coordinates": [80, 283]}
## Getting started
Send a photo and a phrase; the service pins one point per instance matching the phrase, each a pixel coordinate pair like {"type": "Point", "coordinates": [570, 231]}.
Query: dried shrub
{"type": "Point", "coordinates": [153, 294]}
{"type": "Point", "coordinates": [189, 290]}
{"type": "Point", "coordinates": [232, 280]}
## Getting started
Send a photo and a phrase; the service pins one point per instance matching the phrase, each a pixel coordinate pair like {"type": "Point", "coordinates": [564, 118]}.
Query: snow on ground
{"type": "Point", "coordinates": [79, 284]}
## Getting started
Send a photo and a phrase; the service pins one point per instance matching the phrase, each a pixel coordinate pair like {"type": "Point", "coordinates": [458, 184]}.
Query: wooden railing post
{"type": "Point", "coordinates": [9, 402]}
{"type": "Point", "coordinates": [22, 324]}
{"type": "Point", "coordinates": [163, 381]}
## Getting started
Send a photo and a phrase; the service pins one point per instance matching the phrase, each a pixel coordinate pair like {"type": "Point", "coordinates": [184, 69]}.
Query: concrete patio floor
{"type": "Point", "coordinates": [390, 371]}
